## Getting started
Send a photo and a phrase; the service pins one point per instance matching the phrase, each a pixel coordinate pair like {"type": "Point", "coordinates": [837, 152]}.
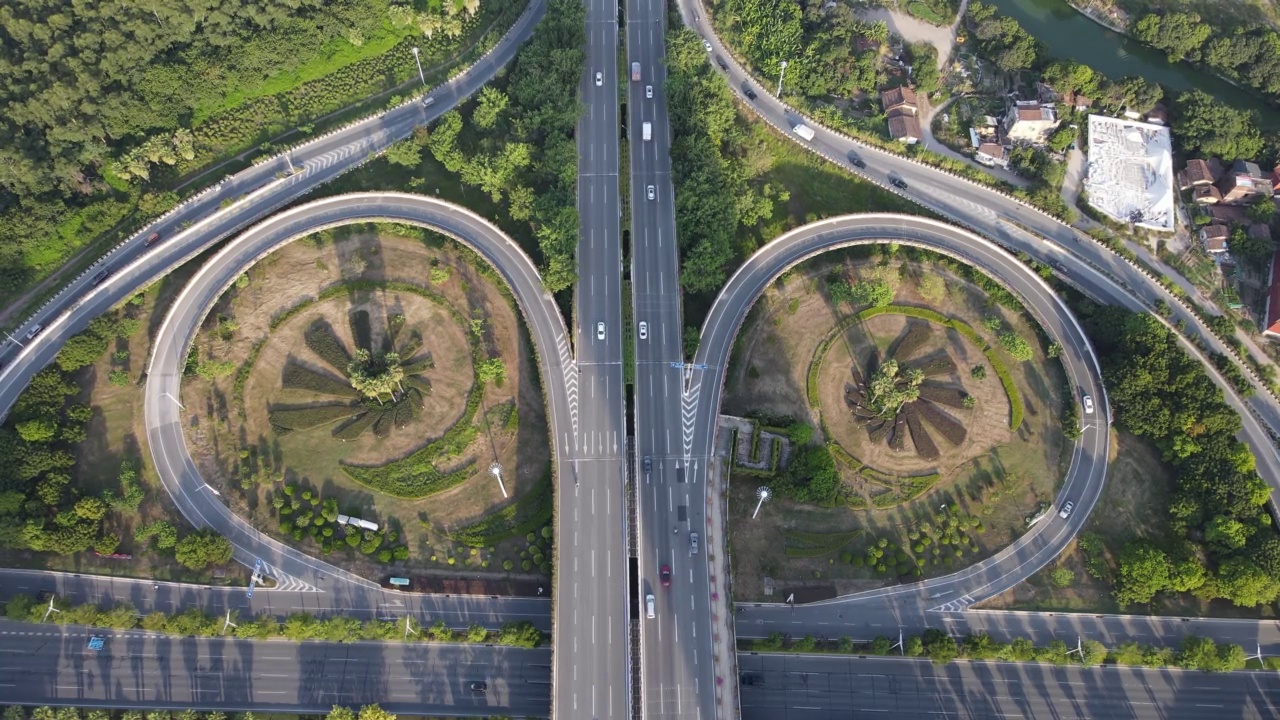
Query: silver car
{"type": "Point", "coordinates": [599, 331]}
{"type": "Point", "coordinates": [693, 543]}
{"type": "Point", "coordinates": [644, 330]}
{"type": "Point", "coordinates": [651, 192]}
{"type": "Point", "coordinates": [648, 91]}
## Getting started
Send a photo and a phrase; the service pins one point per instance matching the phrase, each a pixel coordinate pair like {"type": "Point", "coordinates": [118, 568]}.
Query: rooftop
{"type": "Point", "coordinates": [1130, 176]}
{"type": "Point", "coordinates": [894, 97]}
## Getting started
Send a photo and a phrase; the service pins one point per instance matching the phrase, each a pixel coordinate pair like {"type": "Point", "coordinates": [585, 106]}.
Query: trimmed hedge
{"type": "Point", "coordinates": [320, 338]}
{"type": "Point", "coordinates": [355, 428]}
{"type": "Point", "coordinates": [520, 518]}
{"type": "Point", "coordinates": [298, 377]}
{"type": "Point", "coordinates": [311, 417]}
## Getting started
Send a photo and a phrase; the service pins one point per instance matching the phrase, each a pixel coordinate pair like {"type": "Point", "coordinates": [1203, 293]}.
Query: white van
{"type": "Point", "coordinates": [648, 606]}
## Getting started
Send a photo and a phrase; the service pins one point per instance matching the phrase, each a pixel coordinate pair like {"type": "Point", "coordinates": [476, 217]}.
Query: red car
{"type": "Point", "coordinates": [665, 575]}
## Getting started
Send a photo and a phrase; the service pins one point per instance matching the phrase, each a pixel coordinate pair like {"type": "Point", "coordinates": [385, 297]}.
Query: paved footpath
{"type": "Point", "coordinates": [724, 650]}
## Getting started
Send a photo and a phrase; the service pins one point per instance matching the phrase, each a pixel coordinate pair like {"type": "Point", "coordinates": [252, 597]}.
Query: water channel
{"type": "Point", "coordinates": [1069, 35]}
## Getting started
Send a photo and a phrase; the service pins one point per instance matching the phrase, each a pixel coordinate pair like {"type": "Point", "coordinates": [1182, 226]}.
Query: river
{"type": "Point", "coordinates": [1068, 34]}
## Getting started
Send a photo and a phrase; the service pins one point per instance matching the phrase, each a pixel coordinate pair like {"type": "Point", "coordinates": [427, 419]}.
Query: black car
{"type": "Point", "coordinates": [720, 61]}
{"type": "Point", "coordinates": [102, 275]}
{"type": "Point", "coordinates": [752, 680]}
{"type": "Point", "coordinates": [857, 161]}
{"type": "Point", "coordinates": [479, 686]}
{"type": "Point", "coordinates": [898, 183]}
{"type": "Point", "coordinates": [746, 90]}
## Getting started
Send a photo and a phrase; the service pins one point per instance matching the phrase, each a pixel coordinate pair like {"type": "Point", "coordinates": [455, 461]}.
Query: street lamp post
{"type": "Point", "coordinates": [780, 76]}
{"type": "Point", "coordinates": [762, 493]}
{"type": "Point", "coordinates": [496, 471]}
{"type": "Point", "coordinates": [419, 64]}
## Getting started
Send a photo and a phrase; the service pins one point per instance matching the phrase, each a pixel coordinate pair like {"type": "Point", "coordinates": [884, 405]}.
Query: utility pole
{"type": "Point", "coordinates": [902, 650]}
{"type": "Point", "coordinates": [227, 623]}
{"type": "Point", "coordinates": [1079, 648]}
{"type": "Point", "coordinates": [408, 630]}
{"type": "Point", "coordinates": [419, 64]}
{"type": "Point", "coordinates": [780, 76]}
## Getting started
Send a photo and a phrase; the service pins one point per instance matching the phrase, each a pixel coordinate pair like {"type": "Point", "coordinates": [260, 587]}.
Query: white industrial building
{"type": "Point", "coordinates": [1130, 176]}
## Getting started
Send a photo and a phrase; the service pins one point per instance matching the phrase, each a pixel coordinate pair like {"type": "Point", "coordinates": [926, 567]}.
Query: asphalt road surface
{"type": "Point", "coordinates": [592, 632]}
{"type": "Point", "coordinates": [816, 687]}
{"type": "Point", "coordinates": [345, 599]}
{"type": "Point", "coordinates": [51, 665]}
{"type": "Point", "coordinates": [677, 675]}
{"type": "Point", "coordinates": [998, 217]}
{"type": "Point", "coordinates": [256, 191]}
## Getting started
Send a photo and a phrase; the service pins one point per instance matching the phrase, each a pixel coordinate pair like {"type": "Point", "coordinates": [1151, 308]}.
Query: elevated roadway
{"type": "Point", "coordinates": [677, 677]}
{"type": "Point", "coordinates": [592, 631]}
{"type": "Point", "coordinates": [198, 225]}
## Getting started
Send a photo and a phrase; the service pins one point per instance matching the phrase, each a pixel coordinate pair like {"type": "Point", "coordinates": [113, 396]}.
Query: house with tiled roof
{"type": "Point", "coordinates": [1214, 238]}
{"type": "Point", "coordinates": [1030, 122]}
{"type": "Point", "coordinates": [1196, 173]}
{"type": "Point", "coordinates": [1244, 183]}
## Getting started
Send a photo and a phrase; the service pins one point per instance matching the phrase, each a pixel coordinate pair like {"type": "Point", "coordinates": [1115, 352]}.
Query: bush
{"type": "Point", "coordinates": [298, 377]}
{"type": "Point", "coordinates": [312, 417]}
{"type": "Point", "coordinates": [530, 512]}
{"type": "Point", "coordinates": [320, 338]}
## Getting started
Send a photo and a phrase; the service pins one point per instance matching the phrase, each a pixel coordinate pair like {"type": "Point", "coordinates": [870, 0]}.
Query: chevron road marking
{"type": "Point", "coordinates": [570, 380]}
{"type": "Point", "coordinates": [959, 605]}
{"type": "Point", "coordinates": [286, 583]}
{"type": "Point", "coordinates": [689, 416]}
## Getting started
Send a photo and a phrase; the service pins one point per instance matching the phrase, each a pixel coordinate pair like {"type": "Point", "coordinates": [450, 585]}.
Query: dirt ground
{"type": "Point", "coordinates": [297, 273]}
{"type": "Point", "coordinates": [997, 476]}
{"type": "Point", "coordinates": [1137, 480]}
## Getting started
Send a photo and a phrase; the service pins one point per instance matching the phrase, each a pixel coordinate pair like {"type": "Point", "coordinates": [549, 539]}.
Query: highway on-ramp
{"type": "Point", "coordinates": [677, 676]}
{"type": "Point", "coordinates": [198, 225]}
{"type": "Point", "coordinates": [997, 216]}
{"type": "Point", "coordinates": [592, 630]}
{"type": "Point", "coordinates": [165, 417]}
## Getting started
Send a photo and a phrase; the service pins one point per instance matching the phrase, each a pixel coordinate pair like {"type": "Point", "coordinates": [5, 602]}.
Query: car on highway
{"type": "Point", "coordinates": [706, 44]}
{"type": "Point", "coordinates": [664, 575]}
{"type": "Point", "coordinates": [651, 192]}
{"type": "Point", "coordinates": [746, 90]}
{"type": "Point", "coordinates": [428, 102]}
{"type": "Point", "coordinates": [720, 61]}
{"type": "Point", "coordinates": [599, 331]}
{"type": "Point", "coordinates": [644, 330]}
{"type": "Point", "coordinates": [1067, 507]}
{"type": "Point", "coordinates": [648, 464]}
{"type": "Point", "coordinates": [898, 183]}
{"type": "Point", "coordinates": [102, 275]}
{"type": "Point", "coordinates": [693, 543]}
{"type": "Point", "coordinates": [751, 679]}
{"type": "Point", "coordinates": [1088, 404]}
{"type": "Point", "coordinates": [856, 161]}
{"type": "Point", "coordinates": [650, 611]}
{"type": "Point", "coordinates": [34, 331]}
{"type": "Point", "coordinates": [152, 239]}
{"type": "Point", "coordinates": [599, 79]}
{"type": "Point", "coordinates": [648, 91]}
{"type": "Point", "coordinates": [479, 686]}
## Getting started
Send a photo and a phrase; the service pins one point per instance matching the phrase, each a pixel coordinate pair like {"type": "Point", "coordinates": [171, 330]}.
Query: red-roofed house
{"type": "Point", "coordinates": [1214, 238]}
{"type": "Point", "coordinates": [1273, 299]}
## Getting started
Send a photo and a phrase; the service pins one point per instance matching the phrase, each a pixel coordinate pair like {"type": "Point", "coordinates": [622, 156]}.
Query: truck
{"type": "Point", "coordinates": [803, 131]}
{"type": "Point", "coordinates": [646, 131]}
{"type": "Point", "coordinates": [635, 72]}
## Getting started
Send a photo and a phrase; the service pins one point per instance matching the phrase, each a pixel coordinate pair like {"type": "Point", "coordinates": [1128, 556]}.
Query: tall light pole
{"type": "Point", "coordinates": [781, 74]}
{"type": "Point", "coordinates": [419, 64]}
{"type": "Point", "coordinates": [762, 492]}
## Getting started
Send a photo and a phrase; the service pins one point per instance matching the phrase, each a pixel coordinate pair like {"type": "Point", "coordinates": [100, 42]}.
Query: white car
{"type": "Point", "coordinates": [1088, 404]}
{"type": "Point", "coordinates": [650, 192]}
{"type": "Point", "coordinates": [599, 79]}
{"type": "Point", "coordinates": [1067, 507]}
{"type": "Point", "coordinates": [428, 102]}
{"type": "Point", "coordinates": [34, 331]}
{"type": "Point", "coordinates": [644, 330]}
{"type": "Point", "coordinates": [706, 44]}
{"type": "Point", "coordinates": [693, 543]}
{"type": "Point", "coordinates": [648, 91]}
{"type": "Point", "coordinates": [599, 331]}
{"type": "Point", "coordinates": [650, 611]}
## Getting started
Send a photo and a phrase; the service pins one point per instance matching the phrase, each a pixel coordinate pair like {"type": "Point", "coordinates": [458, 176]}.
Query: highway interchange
{"type": "Point", "coordinates": [588, 407]}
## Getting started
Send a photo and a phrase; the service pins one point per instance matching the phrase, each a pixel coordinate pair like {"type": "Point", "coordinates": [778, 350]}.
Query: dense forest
{"type": "Point", "coordinates": [1247, 55]}
{"type": "Point", "coordinates": [107, 102]}
{"type": "Point", "coordinates": [1221, 543]}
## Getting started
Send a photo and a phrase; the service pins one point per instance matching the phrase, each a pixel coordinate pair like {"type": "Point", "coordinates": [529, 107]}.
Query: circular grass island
{"type": "Point", "coordinates": [915, 416]}
{"type": "Point", "coordinates": [376, 373]}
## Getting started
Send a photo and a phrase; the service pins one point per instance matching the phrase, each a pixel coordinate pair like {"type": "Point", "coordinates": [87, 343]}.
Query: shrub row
{"type": "Point", "coordinates": [311, 417]}
{"type": "Point", "coordinates": [950, 428]}
{"type": "Point", "coordinates": [925, 447]}
{"type": "Point", "coordinates": [320, 338]}
{"type": "Point", "coordinates": [356, 427]}
{"type": "Point", "coordinates": [917, 335]}
{"type": "Point", "coordinates": [298, 377]}
{"type": "Point", "coordinates": [839, 453]}
{"type": "Point", "coordinates": [950, 396]}
{"type": "Point", "coordinates": [297, 626]}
